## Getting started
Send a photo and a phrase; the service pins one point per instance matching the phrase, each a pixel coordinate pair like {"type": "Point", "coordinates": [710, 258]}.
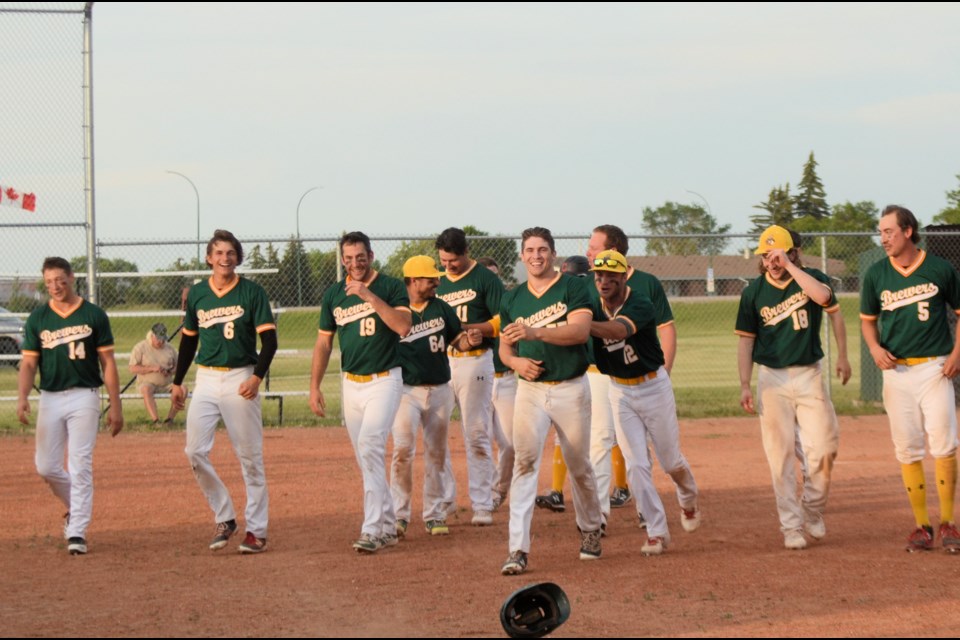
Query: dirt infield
{"type": "Point", "coordinates": [149, 572]}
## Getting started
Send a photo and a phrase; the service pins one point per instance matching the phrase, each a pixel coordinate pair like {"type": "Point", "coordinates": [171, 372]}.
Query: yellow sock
{"type": "Point", "coordinates": [946, 476]}
{"type": "Point", "coordinates": [559, 469]}
{"type": "Point", "coordinates": [619, 468]}
{"type": "Point", "coordinates": [913, 480]}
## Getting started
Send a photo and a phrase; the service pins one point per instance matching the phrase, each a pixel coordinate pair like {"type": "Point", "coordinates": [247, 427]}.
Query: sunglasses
{"type": "Point", "coordinates": [609, 262]}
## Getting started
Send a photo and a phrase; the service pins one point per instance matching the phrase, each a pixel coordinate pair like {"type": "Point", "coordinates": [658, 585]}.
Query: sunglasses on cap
{"type": "Point", "coordinates": [613, 263]}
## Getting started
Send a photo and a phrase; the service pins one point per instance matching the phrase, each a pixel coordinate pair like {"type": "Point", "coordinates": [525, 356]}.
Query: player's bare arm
{"type": "Point", "coordinates": [668, 342]}
{"type": "Point", "coordinates": [318, 367]}
{"type": "Point", "coordinates": [871, 335]}
{"type": "Point", "coordinates": [486, 329]}
{"type": "Point", "coordinates": [398, 320]}
{"type": "Point", "coordinates": [745, 367]}
{"type": "Point", "coordinates": [468, 340]}
{"type": "Point", "coordinates": [526, 368]}
{"type": "Point", "coordinates": [28, 373]}
{"type": "Point", "coordinates": [818, 292]}
{"type": "Point", "coordinates": [111, 380]}
{"type": "Point", "coordinates": [840, 334]}
{"type": "Point", "coordinates": [576, 331]}
{"type": "Point", "coordinates": [952, 366]}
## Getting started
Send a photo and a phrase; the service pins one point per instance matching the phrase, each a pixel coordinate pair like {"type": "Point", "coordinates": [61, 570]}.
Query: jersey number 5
{"type": "Point", "coordinates": [923, 311]}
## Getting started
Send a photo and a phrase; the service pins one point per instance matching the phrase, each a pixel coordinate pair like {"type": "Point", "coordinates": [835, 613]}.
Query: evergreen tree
{"type": "Point", "coordinates": [811, 199]}
{"type": "Point", "coordinates": [778, 207]}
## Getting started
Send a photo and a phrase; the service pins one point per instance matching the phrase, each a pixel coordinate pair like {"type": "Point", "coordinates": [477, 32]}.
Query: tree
{"type": "Point", "coordinates": [111, 292]}
{"type": "Point", "coordinates": [849, 216]}
{"type": "Point", "coordinates": [779, 208]}
{"type": "Point", "coordinates": [673, 218]}
{"type": "Point", "coordinates": [503, 250]}
{"type": "Point", "coordinates": [406, 250]}
{"type": "Point", "coordinates": [951, 213]}
{"type": "Point", "coordinates": [811, 199]}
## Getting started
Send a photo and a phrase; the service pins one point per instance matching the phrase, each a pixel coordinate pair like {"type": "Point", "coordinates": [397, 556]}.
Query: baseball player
{"type": "Point", "coordinates": [504, 397]}
{"type": "Point", "coordinates": [626, 348]}
{"type": "Point", "coordinates": [475, 293]}
{"type": "Point", "coordinates": [580, 266]}
{"type": "Point", "coordinates": [70, 342]}
{"type": "Point", "coordinates": [908, 295]}
{"type": "Point", "coordinates": [369, 312]}
{"type": "Point", "coordinates": [546, 324]}
{"type": "Point", "coordinates": [779, 327]}
{"type": "Point", "coordinates": [153, 361]}
{"type": "Point", "coordinates": [225, 313]}
{"type": "Point", "coordinates": [427, 395]}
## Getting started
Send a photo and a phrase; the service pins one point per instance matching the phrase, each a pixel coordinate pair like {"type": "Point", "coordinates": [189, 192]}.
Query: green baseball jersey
{"type": "Point", "coordinates": [475, 295]}
{"type": "Point", "coordinates": [784, 321]}
{"type": "Point", "coordinates": [564, 297]}
{"type": "Point", "coordinates": [68, 345]}
{"type": "Point", "coordinates": [911, 305]}
{"type": "Point", "coordinates": [367, 344]}
{"type": "Point", "coordinates": [227, 322]}
{"type": "Point", "coordinates": [640, 352]}
{"type": "Point", "coordinates": [644, 284]}
{"type": "Point", "coordinates": [423, 352]}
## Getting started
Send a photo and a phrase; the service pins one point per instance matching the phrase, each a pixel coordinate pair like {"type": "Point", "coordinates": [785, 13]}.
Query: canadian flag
{"type": "Point", "coordinates": [10, 197]}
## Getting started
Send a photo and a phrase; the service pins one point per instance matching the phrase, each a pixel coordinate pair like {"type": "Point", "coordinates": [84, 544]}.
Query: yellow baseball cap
{"type": "Point", "coordinates": [775, 237]}
{"type": "Point", "coordinates": [610, 260]}
{"type": "Point", "coordinates": [420, 267]}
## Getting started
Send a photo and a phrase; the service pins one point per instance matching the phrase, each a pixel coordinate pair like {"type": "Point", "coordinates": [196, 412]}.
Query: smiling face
{"type": "Point", "coordinates": [453, 263]}
{"type": "Point", "coordinates": [538, 257]}
{"type": "Point", "coordinates": [422, 289]}
{"type": "Point", "coordinates": [222, 258]}
{"type": "Point", "coordinates": [357, 260]}
{"type": "Point", "coordinates": [60, 285]}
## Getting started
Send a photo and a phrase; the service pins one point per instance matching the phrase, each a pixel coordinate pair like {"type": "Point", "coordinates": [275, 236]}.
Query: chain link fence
{"type": "Point", "coordinates": [142, 282]}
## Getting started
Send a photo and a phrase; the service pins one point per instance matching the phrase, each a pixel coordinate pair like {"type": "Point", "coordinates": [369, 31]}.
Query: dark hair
{"type": "Point", "coordinates": [452, 240]}
{"type": "Point", "coordinates": [488, 262]}
{"type": "Point", "coordinates": [576, 266]}
{"type": "Point", "coordinates": [222, 235]}
{"type": "Point", "coordinates": [796, 238]}
{"type": "Point", "coordinates": [538, 232]}
{"type": "Point", "coordinates": [356, 237]}
{"type": "Point", "coordinates": [616, 238]}
{"type": "Point", "coordinates": [792, 255]}
{"type": "Point", "coordinates": [57, 263]}
{"type": "Point", "coordinates": [905, 220]}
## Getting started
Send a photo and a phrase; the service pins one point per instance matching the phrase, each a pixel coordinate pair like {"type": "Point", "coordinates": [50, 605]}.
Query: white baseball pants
{"type": "Point", "coordinates": [920, 401]}
{"type": "Point", "coordinates": [472, 381]}
{"type": "Point", "coordinates": [603, 436]}
{"type": "Point", "coordinates": [504, 399]}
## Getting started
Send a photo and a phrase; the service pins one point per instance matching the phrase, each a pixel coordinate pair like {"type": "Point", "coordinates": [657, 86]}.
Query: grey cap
{"type": "Point", "coordinates": [160, 331]}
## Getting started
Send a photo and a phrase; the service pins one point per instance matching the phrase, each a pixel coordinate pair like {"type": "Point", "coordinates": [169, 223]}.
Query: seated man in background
{"type": "Point", "coordinates": [153, 361]}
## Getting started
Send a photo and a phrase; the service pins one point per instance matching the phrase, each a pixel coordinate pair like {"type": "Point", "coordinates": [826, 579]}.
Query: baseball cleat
{"type": "Point", "coordinates": [590, 545]}
{"type": "Point", "coordinates": [794, 540]}
{"type": "Point", "coordinates": [367, 543]}
{"type": "Point", "coordinates": [950, 537]}
{"type": "Point", "coordinates": [921, 539]}
{"type": "Point", "coordinates": [253, 544]}
{"type": "Point", "coordinates": [515, 565]}
{"type": "Point", "coordinates": [620, 497]}
{"type": "Point", "coordinates": [402, 528]}
{"type": "Point", "coordinates": [482, 518]}
{"type": "Point", "coordinates": [816, 529]}
{"type": "Point", "coordinates": [389, 540]}
{"type": "Point", "coordinates": [641, 521]}
{"type": "Point", "coordinates": [552, 501]}
{"type": "Point", "coordinates": [437, 527]}
{"type": "Point", "coordinates": [690, 519]}
{"type": "Point", "coordinates": [223, 533]}
{"type": "Point", "coordinates": [654, 546]}
{"type": "Point", "coordinates": [77, 546]}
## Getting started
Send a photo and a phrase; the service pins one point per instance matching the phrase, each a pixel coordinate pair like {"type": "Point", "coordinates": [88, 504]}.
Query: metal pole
{"type": "Point", "coordinates": [300, 249]}
{"type": "Point", "coordinates": [826, 325]}
{"type": "Point", "coordinates": [196, 193]}
{"type": "Point", "coordinates": [90, 202]}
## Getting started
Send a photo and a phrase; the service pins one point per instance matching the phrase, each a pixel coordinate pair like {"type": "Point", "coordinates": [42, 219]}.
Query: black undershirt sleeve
{"type": "Point", "coordinates": [188, 349]}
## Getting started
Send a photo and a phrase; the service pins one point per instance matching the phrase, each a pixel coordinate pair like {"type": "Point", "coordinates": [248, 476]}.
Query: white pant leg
{"type": "Point", "coordinates": [660, 418]}
{"type": "Point", "coordinates": [631, 407]}
{"type": "Point", "coordinates": [436, 421]}
{"type": "Point", "coordinates": [504, 397]}
{"type": "Point", "coordinates": [819, 437]}
{"type": "Point", "coordinates": [919, 402]}
{"type": "Point", "coordinates": [368, 410]}
{"type": "Point", "coordinates": [778, 418]}
{"type": "Point", "coordinates": [405, 427]}
{"type": "Point", "coordinates": [76, 426]}
{"type": "Point", "coordinates": [202, 418]}
{"type": "Point", "coordinates": [568, 405]}
{"type": "Point", "coordinates": [472, 380]}
{"type": "Point", "coordinates": [602, 436]}
{"type": "Point", "coordinates": [244, 422]}
{"type": "Point", "coordinates": [530, 426]}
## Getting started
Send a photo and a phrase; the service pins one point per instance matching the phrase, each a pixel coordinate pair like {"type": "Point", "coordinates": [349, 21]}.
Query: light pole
{"type": "Point", "coordinates": [197, 193]}
{"type": "Point", "coordinates": [300, 249]}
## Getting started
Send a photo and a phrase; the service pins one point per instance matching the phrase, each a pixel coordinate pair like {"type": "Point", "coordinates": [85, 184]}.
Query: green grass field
{"type": "Point", "coordinates": [704, 376]}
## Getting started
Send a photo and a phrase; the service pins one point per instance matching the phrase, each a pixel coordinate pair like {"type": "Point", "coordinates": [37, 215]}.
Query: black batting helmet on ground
{"type": "Point", "coordinates": [534, 611]}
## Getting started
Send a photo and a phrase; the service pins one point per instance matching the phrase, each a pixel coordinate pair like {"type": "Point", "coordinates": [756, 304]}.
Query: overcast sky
{"type": "Point", "coordinates": [414, 117]}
